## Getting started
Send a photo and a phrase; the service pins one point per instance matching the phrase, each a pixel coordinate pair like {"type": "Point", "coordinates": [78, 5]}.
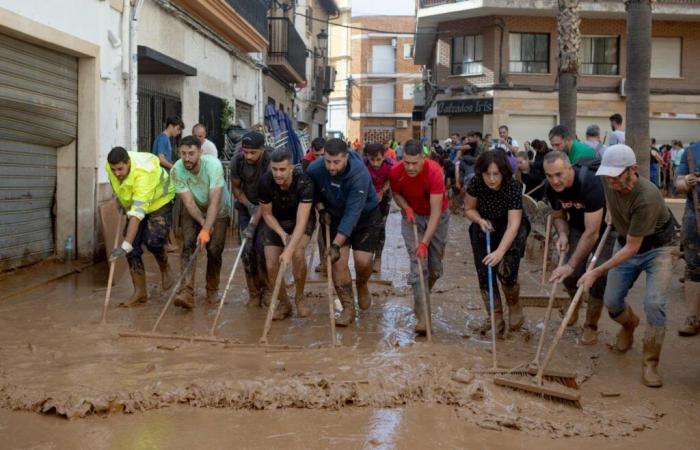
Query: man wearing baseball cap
{"type": "Point", "coordinates": [645, 239]}
{"type": "Point", "coordinates": [247, 168]}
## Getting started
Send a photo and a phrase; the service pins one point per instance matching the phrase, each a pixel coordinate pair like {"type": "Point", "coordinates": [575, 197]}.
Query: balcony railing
{"type": "Point", "coordinates": [287, 50]}
{"type": "Point", "coordinates": [254, 12]}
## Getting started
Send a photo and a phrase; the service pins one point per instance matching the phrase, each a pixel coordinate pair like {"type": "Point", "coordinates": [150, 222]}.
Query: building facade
{"type": "Point", "coordinates": [493, 62]}
{"type": "Point", "coordinates": [65, 101]}
{"type": "Point", "coordinates": [339, 44]}
{"type": "Point", "coordinates": [383, 79]}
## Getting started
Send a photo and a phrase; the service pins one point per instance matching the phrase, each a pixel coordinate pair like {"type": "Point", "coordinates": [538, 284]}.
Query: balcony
{"type": "Point", "coordinates": [254, 12]}
{"type": "Point", "coordinates": [287, 53]}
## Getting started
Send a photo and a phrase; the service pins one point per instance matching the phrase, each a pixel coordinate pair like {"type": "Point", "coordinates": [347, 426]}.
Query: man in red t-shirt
{"type": "Point", "coordinates": [379, 167]}
{"type": "Point", "coordinates": [418, 185]}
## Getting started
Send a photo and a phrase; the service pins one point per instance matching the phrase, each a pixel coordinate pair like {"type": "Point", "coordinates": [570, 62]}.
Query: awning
{"type": "Point", "coordinates": [152, 62]}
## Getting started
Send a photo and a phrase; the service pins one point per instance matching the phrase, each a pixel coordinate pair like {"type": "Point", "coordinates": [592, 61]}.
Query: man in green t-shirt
{"type": "Point", "coordinates": [561, 138]}
{"type": "Point", "coordinates": [199, 182]}
{"type": "Point", "coordinates": [646, 236]}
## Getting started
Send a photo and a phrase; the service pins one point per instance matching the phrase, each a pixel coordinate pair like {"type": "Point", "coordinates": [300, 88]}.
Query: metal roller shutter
{"type": "Point", "coordinates": [528, 128]}
{"type": "Point", "coordinates": [38, 112]}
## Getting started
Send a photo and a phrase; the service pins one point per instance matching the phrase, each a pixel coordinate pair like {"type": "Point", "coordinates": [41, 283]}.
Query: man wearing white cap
{"type": "Point", "coordinates": [645, 239]}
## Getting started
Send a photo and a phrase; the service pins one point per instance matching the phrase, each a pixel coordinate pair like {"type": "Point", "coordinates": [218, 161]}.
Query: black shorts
{"type": "Point", "coordinates": [365, 237]}
{"type": "Point", "coordinates": [272, 239]}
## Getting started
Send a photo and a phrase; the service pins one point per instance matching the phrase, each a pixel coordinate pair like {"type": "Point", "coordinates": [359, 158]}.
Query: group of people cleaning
{"type": "Point", "coordinates": [279, 205]}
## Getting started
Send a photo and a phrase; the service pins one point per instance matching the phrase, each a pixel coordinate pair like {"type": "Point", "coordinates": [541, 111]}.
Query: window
{"type": "Point", "coordinates": [599, 55]}
{"type": "Point", "coordinates": [382, 98]}
{"type": "Point", "coordinates": [529, 52]}
{"type": "Point", "coordinates": [408, 91]}
{"type": "Point", "coordinates": [407, 51]}
{"type": "Point", "coordinates": [467, 55]}
{"type": "Point", "coordinates": [665, 57]}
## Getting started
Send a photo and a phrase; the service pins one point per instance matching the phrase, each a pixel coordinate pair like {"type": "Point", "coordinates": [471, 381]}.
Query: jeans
{"type": "Point", "coordinates": [691, 246]}
{"type": "Point", "coordinates": [598, 289]}
{"type": "Point", "coordinates": [658, 266]}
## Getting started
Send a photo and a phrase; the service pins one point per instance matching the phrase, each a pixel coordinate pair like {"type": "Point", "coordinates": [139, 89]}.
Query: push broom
{"type": "Point", "coordinates": [536, 386]}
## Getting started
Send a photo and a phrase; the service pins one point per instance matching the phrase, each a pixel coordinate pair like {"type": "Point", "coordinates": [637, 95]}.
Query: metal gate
{"type": "Point", "coordinates": [38, 113]}
{"type": "Point", "coordinates": [210, 109]}
{"type": "Point", "coordinates": [154, 108]}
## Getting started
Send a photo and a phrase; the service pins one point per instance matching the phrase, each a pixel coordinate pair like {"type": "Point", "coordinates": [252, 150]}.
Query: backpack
{"type": "Point", "coordinates": [586, 166]}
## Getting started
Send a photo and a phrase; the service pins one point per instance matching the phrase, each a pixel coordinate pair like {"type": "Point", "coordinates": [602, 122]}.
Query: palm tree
{"type": "Point", "coordinates": [637, 87]}
{"type": "Point", "coordinates": [568, 43]}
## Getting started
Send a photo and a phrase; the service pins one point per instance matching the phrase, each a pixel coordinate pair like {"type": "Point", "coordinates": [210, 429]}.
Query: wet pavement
{"type": "Point", "coordinates": [382, 389]}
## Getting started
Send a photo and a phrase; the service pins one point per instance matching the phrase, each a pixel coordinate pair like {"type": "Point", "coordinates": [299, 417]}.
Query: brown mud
{"type": "Point", "coordinates": [56, 359]}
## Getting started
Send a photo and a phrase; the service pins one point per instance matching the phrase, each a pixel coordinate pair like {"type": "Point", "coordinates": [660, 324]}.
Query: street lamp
{"type": "Point", "coordinates": [322, 39]}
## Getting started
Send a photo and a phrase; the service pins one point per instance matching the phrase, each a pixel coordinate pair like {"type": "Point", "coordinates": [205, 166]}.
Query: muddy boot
{"type": "Point", "coordinates": [625, 337]}
{"type": "Point", "coordinates": [653, 340]}
{"type": "Point", "coordinates": [431, 283]}
{"type": "Point", "coordinates": [590, 327]}
{"type": "Point", "coordinates": [485, 327]}
{"type": "Point", "coordinates": [364, 298]}
{"type": "Point", "coordinates": [348, 301]}
{"type": "Point", "coordinates": [140, 295]}
{"type": "Point", "coordinates": [516, 319]}
{"type": "Point", "coordinates": [418, 306]}
{"type": "Point", "coordinates": [377, 263]}
{"type": "Point", "coordinates": [303, 309]}
{"type": "Point", "coordinates": [184, 298]}
{"type": "Point", "coordinates": [564, 309]}
{"type": "Point", "coordinates": [255, 294]}
{"type": "Point", "coordinates": [691, 327]}
{"type": "Point", "coordinates": [166, 275]}
{"type": "Point", "coordinates": [212, 297]}
{"type": "Point", "coordinates": [283, 310]}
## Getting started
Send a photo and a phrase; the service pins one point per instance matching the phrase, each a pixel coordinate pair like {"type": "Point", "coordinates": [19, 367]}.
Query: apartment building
{"type": "Point", "coordinates": [339, 45]}
{"type": "Point", "coordinates": [383, 79]}
{"type": "Point", "coordinates": [493, 62]}
{"type": "Point", "coordinates": [297, 76]}
{"type": "Point", "coordinates": [65, 101]}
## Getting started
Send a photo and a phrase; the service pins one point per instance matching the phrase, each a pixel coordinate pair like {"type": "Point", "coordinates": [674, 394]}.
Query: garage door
{"type": "Point", "coordinates": [38, 112]}
{"type": "Point", "coordinates": [667, 130]}
{"type": "Point", "coordinates": [529, 128]}
{"type": "Point", "coordinates": [465, 123]}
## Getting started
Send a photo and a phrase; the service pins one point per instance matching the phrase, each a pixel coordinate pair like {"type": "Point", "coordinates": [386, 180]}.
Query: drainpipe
{"type": "Point", "coordinates": [126, 21]}
{"type": "Point", "coordinates": [133, 75]}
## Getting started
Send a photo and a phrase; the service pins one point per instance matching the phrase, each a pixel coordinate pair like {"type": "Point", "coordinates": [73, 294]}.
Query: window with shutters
{"type": "Point", "coordinates": [666, 57]}
{"type": "Point", "coordinates": [529, 52]}
{"type": "Point", "coordinates": [600, 55]}
{"type": "Point", "coordinates": [467, 55]}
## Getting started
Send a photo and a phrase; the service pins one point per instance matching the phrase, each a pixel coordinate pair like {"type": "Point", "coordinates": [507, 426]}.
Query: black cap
{"type": "Point", "coordinates": [253, 139]}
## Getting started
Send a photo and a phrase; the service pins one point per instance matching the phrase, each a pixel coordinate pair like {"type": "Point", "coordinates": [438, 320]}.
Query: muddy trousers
{"type": "Point", "coordinates": [432, 268]}
{"type": "Point", "coordinates": [506, 272]}
{"type": "Point", "coordinates": [384, 207]}
{"type": "Point", "coordinates": [153, 232]}
{"type": "Point", "coordinates": [215, 250]}
{"type": "Point", "coordinates": [253, 259]}
{"type": "Point", "coordinates": [658, 266]}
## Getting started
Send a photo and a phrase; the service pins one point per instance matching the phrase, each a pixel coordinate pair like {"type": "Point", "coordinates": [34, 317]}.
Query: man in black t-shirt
{"type": "Point", "coordinates": [578, 204]}
{"type": "Point", "coordinates": [247, 167]}
{"type": "Point", "coordinates": [286, 196]}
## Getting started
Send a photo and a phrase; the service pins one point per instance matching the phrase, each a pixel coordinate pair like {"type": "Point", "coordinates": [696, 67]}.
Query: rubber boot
{"type": "Point", "coordinates": [625, 337]}
{"type": "Point", "coordinates": [212, 297]}
{"type": "Point", "coordinates": [590, 327]}
{"type": "Point", "coordinates": [516, 319]}
{"type": "Point", "coordinates": [485, 327]}
{"type": "Point", "coordinates": [185, 295]}
{"type": "Point", "coordinates": [255, 294]}
{"type": "Point", "coordinates": [418, 306]}
{"type": "Point", "coordinates": [691, 327]}
{"type": "Point", "coordinates": [574, 316]}
{"type": "Point", "coordinates": [166, 276]}
{"type": "Point", "coordinates": [364, 298]}
{"type": "Point", "coordinates": [348, 301]}
{"type": "Point", "coordinates": [377, 263]}
{"type": "Point", "coordinates": [140, 295]}
{"type": "Point", "coordinates": [652, 343]}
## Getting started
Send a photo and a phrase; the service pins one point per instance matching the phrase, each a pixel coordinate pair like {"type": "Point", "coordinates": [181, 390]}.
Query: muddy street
{"type": "Point", "coordinates": [383, 388]}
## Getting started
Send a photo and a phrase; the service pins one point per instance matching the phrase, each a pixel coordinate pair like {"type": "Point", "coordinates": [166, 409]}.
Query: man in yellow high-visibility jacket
{"type": "Point", "coordinates": [144, 190]}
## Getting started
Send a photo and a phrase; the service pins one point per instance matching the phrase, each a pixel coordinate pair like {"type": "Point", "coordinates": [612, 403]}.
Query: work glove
{"type": "Point", "coordinates": [120, 251]}
{"type": "Point", "coordinates": [204, 237]}
{"type": "Point", "coordinates": [334, 252]}
{"type": "Point", "coordinates": [409, 214]}
{"type": "Point", "coordinates": [324, 217]}
{"type": "Point", "coordinates": [252, 209]}
{"type": "Point", "coordinates": [249, 232]}
{"type": "Point", "coordinates": [422, 250]}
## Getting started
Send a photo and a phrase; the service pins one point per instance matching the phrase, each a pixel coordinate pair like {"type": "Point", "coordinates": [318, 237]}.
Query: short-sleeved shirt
{"type": "Point", "coordinates": [286, 201]}
{"type": "Point", "coordinates": [249, 174]}
{"type": "Point", "coordinates": [640, 213]}
{"type": "Point", "coordinates": [210, 176]}
{"type": "Point", "coordinates": [580, 150]}
{"type": "Point", "coordinates": [616, 137]}
{"type": "Point", "coordinates": [209, 148]}
{"type": "Point", "coordinates": [381, 175]}
{"type": "Point", "coordinates": [162, 146]}
{"type": "Point", "coordinates": [494, 205]}
{"type": "Point", "coordinates": [417, 190]}
{"type": "Point", "coordinates": [584, 196]}
{"type": "Point", "coordinates": [683, 170]}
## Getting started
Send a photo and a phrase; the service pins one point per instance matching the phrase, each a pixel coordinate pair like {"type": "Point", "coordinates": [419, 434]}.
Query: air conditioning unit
{"type": "Point", "coordinates": [623, 90]}
{"type": "Point", "coordinates": [402, 124]}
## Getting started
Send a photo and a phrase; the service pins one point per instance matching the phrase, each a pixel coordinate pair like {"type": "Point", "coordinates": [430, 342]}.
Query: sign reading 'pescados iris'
{"type": "Point", "coordinates": [479, 106]}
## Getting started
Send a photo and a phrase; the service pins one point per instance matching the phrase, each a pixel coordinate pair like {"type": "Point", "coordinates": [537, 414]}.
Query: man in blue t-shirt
{"type": "Point", "coordinates": [162, 147]}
